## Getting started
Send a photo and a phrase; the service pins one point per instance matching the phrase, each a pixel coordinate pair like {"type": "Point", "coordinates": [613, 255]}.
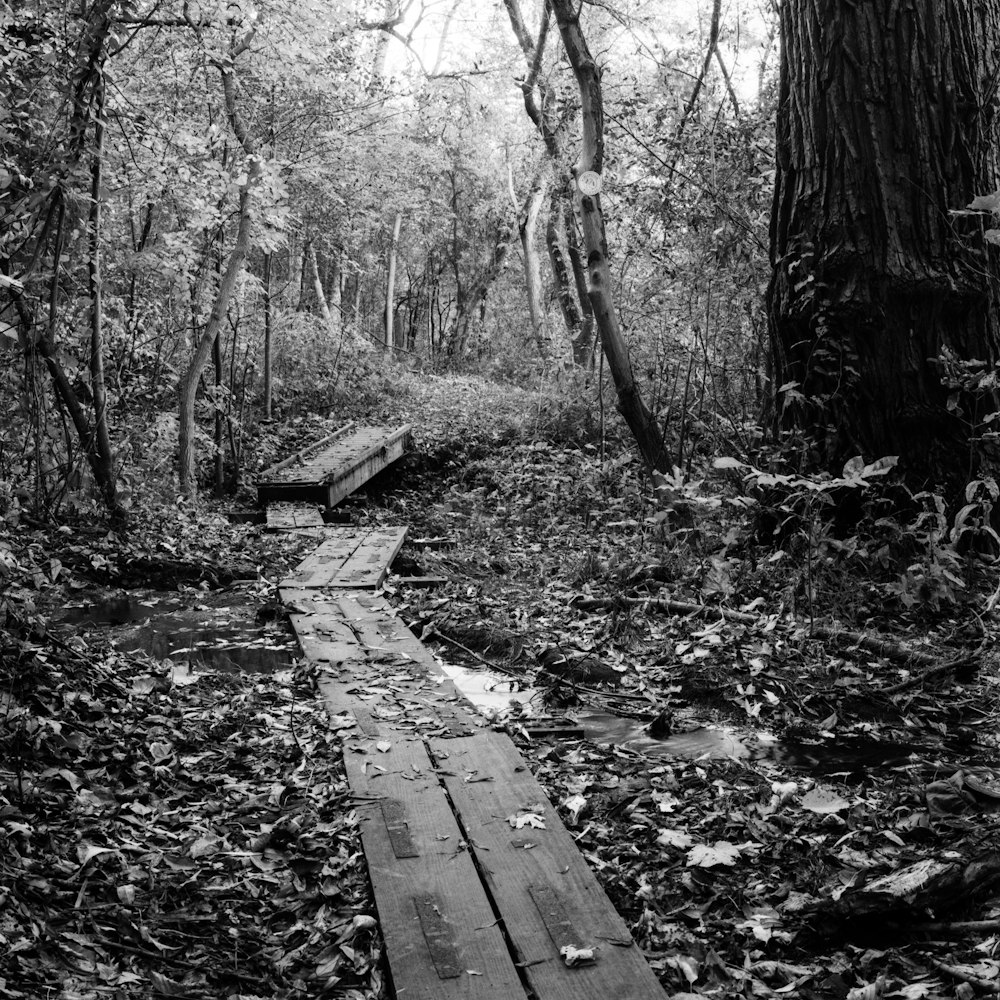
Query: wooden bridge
{"type": "Point", "coordinates": [480, 889]}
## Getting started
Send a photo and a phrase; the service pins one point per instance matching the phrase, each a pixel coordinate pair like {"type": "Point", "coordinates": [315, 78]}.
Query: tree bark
{"type": "Point", "coordinates": [472, 301]}
{"type": "Point", "coordinates": [331, 319]}
{"type": "Point", "coordinates": [527, 224]}
{"type": "Point", "coordinates": [102, 458]}
{"type": "Point", "coordinates": [541, 106]}
{"type": "Point", "coordinates": [219, 422]}
{"type": "Point", "coordinates": [390, 284]}
{"type": "Point", "coordinates": [637, 415]}
{"type": "Point", "coordinates": [227, 284]}
{"type": "Point", "coordinates": [879, 303]}
{"type": "Point", "coordinates": [268, 336]}
{"type": "Point", "coordinates": [570, 277]}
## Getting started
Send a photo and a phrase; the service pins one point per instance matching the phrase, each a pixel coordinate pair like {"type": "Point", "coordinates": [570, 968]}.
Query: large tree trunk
{"type": "Point", "coordinates": [886, 123]}
{"type": "Point", "coordinates": [633, 408]}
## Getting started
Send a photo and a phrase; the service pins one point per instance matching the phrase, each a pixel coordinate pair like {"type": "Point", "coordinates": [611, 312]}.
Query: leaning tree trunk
{"type": "Point", "coordinates": [633, 408]}
{"type": "Point", "coordinates": [230, 276]}
{"type": "Point", "coordinates": [879, 297]}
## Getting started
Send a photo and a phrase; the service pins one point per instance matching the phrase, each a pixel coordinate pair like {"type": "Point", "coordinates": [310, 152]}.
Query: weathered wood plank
{"type": "Point", "coordinates": [349, 557]}
{"type": "Point", "coordinates": [440, 931]}
{"type": "Point", "coordinates": [333, 473]}
{"type": "Point", "coordinates": [300, 456]}
{"type": "Point", "coordinates": [545, 893]}
{"type": "Point", "coordinates": [286, 516]}
{"type": "Point", "coordinates": [371, 665]}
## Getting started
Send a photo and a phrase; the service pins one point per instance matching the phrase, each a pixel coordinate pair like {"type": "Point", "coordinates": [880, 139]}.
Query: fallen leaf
{"type": "Point", "coordinates": [720, 853]}
{"type": "Point", "coordinates": [823, 801]}
{"type": "Point", "coordinates": [526, 817]}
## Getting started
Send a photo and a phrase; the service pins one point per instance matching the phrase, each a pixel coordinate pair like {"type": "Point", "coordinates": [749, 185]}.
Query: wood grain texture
{"type": "Point", "coordinates": [349, 557]}
{"type": "Point", "coordinates": [368, 662]}
{"type": "Point", "coordinates": [337, 470]}
{"type": "Point", "coordinates": [542, 886]}
{"type": "Point", "coordinates": [440, 931]}
{"type": "Point", "coordinates": [287, 516]}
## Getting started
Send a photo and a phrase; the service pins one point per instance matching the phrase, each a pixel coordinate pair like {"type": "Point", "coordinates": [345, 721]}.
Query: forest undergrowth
{"type": "Point", "coordinates": [174, 833]}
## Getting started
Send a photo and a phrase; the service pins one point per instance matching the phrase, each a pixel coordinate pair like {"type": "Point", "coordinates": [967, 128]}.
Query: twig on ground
{"type": "Point", "coordinates": [947, 667]}
{"type": "Point", "coordinates": [963, 975]}
{"type": "Point", "coordinates": [179, 962]}
{"type": "Point", "coordinates": [959, 926]}
{"type": "Point", "coordinates": [476, 656]}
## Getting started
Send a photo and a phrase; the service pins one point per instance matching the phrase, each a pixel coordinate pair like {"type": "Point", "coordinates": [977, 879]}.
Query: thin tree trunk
{"type": "Point", "coordinates": [268, 336]}
{"type": "Point", "coordinates": [218, 438]}
{"type": "Point", "coordinates": [332, 322]}
{"type": "Point", "coordinates": [390, 283]}
{"type": "Point", "coordinates": [292, 293]}
{"type": "Point", "coordinates": [102, 453]}
{"type": "Point", "coordinates": [527, 226]}
{"type": "Point", "coordinates": [230, 277]}
{"type": "Point", "coordinates": [640, 420]}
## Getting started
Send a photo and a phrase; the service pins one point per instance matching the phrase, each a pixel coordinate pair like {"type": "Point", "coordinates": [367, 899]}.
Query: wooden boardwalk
{"type": "Point", "coordinates": [480, 889]}
{"type": "Point", "coordinates": [334, 467]}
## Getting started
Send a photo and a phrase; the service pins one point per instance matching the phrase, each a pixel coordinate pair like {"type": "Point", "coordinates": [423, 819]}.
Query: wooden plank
{"type": "Point", "coordinates": [350, 557]}
{"type": "Point", "coordinates": [542, 887]}
{"type": "Point", "coordinates": [300, 456]}
{"type": "Point", "coordinates": [371, 665]}
{"type": "Point", "coordinates": [288, 516]}
{"type": "Point", "coordinates": [441, 935]}
{"type": "Point", "coordinates": [336, 471]}
{"type": "Point", "coordinates": [379, 456]}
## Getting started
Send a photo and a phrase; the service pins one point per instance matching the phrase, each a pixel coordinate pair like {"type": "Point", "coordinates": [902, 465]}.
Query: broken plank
{"type": "Point", "coordinates": [350, 557]}
{"type": "Point", "coordinates": [542, 887]}
{"type": "Point", "coordinates": [441, 935]}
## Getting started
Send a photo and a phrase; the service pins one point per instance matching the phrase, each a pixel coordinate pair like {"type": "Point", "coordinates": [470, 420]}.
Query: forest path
{"type": "Point", "coordinates": [480, 889]}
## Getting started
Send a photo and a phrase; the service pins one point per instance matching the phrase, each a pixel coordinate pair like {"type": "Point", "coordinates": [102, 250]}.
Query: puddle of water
{"type": "Point", "coordinates": [490, 693]}
{"type": "Point", "coordinates": [118, 610]}
{"type": "Point", "coordinates": [631, 734]}
{"type": "Point", "coordinates": [166, 627]}
{"type": "Point", "coordinates": [852, 756]}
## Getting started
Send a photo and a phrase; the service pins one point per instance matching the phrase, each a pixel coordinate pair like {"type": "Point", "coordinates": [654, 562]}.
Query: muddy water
{"type": "Point", "coordinates": [201, 631]}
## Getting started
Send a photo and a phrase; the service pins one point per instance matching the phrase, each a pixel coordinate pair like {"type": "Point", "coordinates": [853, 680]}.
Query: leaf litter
{"type": "Point", "coordinates": [194, 841]}
{"type": "Point", "coordinates": [188, 857]}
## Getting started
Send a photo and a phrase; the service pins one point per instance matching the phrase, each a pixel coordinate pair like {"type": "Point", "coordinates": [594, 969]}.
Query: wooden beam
{"type": "Point", "coordinates": [441, 934]}
{"type": "Point", "coordinates": [543, 889]}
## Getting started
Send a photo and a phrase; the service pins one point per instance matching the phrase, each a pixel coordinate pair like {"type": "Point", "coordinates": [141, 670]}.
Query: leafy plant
{"type": "Point", "coordinates": [805, 507]}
